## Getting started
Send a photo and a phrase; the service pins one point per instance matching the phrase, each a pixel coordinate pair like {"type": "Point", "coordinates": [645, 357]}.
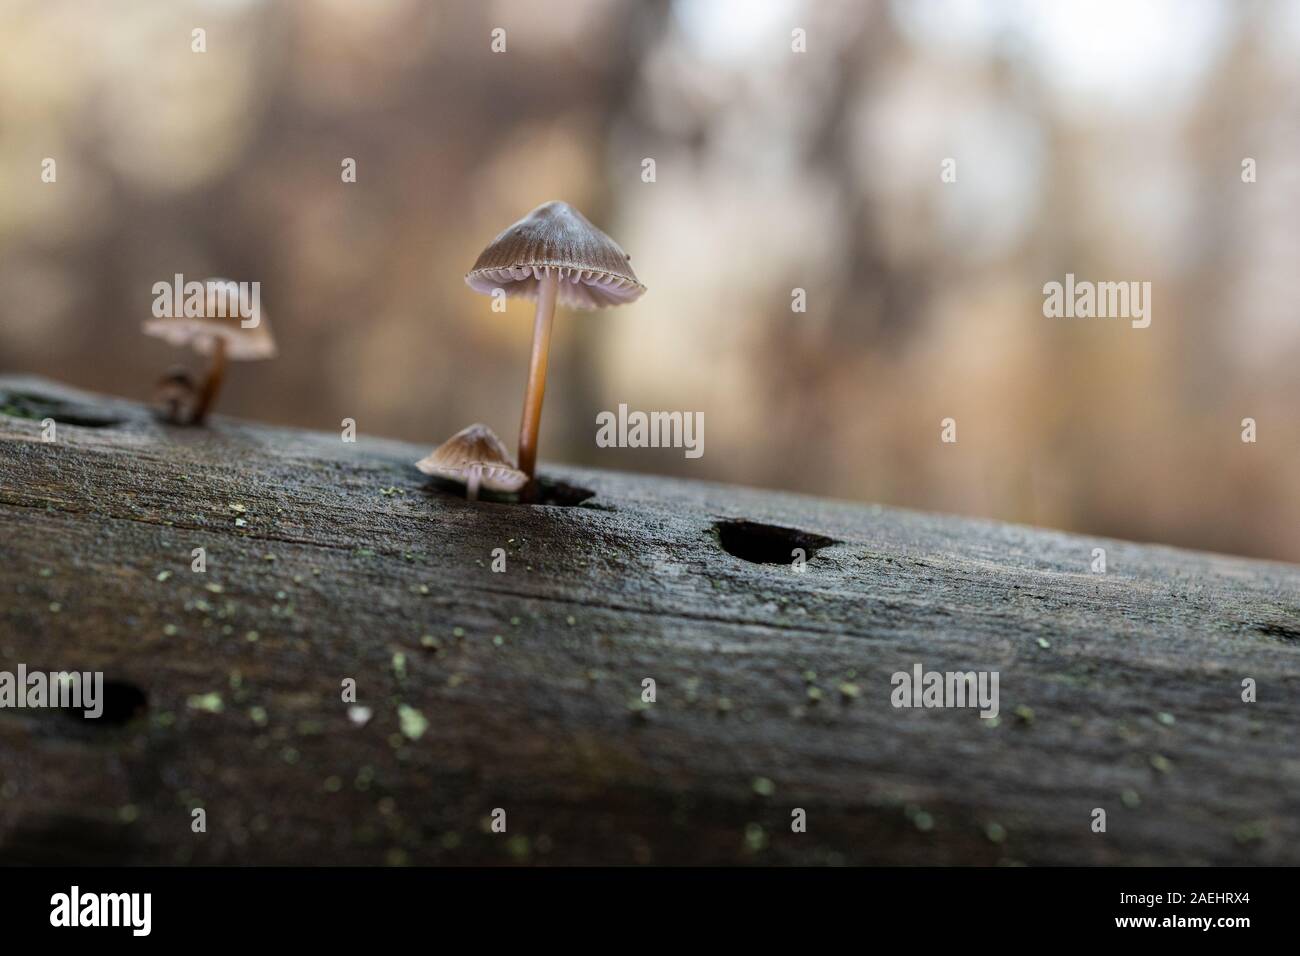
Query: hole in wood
{"type": "Point", "coordinates": [40, 407]}
{"type": "Point", "coordinates": [558, 494]}
{"type": "Point", "coordinates": [561, 493]}
{"type": "Point", "coordinates": [767, 543]}
{"type": "Point", "coordinates": [123, 702]}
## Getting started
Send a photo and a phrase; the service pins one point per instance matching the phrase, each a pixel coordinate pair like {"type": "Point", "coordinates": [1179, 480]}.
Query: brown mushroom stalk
{"type": "Point", "coordinates": [472, 481]}
{"type": "Point", "coordinates": [556, 256]}
{"type": "Point", "coordinates": [531, 424]}
{"type": "Point", "coordinates": [212, 383]}
{"type": "Point", "coordinates": [176, 396]}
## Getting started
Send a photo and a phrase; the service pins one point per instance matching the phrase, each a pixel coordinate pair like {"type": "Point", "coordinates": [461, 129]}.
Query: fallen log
{"type": "Point", "coordinates": [518, 696]}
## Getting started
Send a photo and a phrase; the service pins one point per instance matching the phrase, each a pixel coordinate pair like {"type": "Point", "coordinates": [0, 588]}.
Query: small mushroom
{"type": "Point", "coordinates": [220, 336]}
{"type": "Point", "coordinates": [476, 458]}
{"type": "Point", "coordinates": [176, 395]}
{"type": "Point", "coordinates": [552, 255]}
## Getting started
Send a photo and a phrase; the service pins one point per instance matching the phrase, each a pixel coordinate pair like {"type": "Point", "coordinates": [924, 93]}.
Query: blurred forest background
{"type": "Point", "coordinates": [1093, 137]}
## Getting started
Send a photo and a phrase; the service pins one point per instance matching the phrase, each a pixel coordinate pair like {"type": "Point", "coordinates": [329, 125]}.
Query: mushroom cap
{"type": "Point", "coordinates": [474, 447]}
{"type": "Point", "coordinates": [594, 270]}
{"type": "Point", "coordinates": [201, 332]}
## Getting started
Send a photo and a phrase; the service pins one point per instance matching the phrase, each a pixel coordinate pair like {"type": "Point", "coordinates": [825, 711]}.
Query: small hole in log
{"type": "Point", "coordinates": [559, 494]}
{"type": "Point", "coordinates": [123, 702]}
{"type": "Point", "coordinates": [767, 543]}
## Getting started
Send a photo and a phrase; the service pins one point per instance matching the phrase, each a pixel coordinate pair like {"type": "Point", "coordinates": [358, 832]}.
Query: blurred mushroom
{"type": "Point", "coordinates": [552, 254]}
{"type": "Point", "coordinates": [221, 336]}
{"type": "Point", "coordinates": [476, 458]}
{"type": "Point", "coordinates": [176, 395]}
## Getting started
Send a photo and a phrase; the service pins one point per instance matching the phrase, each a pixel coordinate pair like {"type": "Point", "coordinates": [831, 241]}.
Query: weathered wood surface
{"type": "Point", "coordinates": [346, 558]}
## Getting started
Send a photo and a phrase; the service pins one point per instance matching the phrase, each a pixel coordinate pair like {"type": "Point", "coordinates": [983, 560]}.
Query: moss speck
{"type": "Point", "coordinates": [413, 723]}
{"type": "Point", "coordinates": [211, 703]}
{"type": "Point", "coordinates": [1253, 832]}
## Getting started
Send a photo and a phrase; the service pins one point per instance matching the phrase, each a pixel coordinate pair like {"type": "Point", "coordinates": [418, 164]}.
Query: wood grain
{"type": "Point", "coordinates": [328, 560]}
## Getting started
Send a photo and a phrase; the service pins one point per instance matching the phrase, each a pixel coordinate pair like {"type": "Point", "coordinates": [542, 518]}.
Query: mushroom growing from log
{"type": "Point", "coordinates": [176, 396]}
{"type": "Point", "coordinates": [552, 255]}
{"type": "Point", "coordinates": [216, 333]}
{"type": "Point", "coordinates": [476, 458]}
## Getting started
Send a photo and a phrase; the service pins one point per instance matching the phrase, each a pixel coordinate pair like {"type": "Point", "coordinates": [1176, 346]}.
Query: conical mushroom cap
{"type": "Point", "coordinates": [475, 447]}
{"type": "Point", "coordinates": [594, 270]}
{"type": "Point", "coordinates": [221, 320]}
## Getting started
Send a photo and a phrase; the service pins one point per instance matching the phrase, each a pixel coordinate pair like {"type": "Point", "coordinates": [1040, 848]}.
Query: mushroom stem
{"type": "Point", "coordinates": [547, 289]}
{"type": "Point", "coordinates": [472, 483]}
{"type": "Point", "coordinates": [175, 396]}
{"type": "Point", "coordinates": [212, 384]}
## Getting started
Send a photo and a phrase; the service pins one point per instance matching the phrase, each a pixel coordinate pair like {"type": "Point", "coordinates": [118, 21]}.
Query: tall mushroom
{"type": "Point", "coordinates": [554, 254]}
{"type": "Point", "coordinates": [221, 336]}
{"type": "Point", "coordinates": [475, 457]}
